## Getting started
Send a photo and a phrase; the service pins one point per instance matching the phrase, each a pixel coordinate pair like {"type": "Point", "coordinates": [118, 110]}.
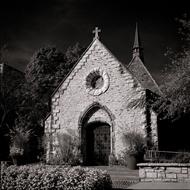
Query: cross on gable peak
{"type": "Point", "coordinates": [96, 31]}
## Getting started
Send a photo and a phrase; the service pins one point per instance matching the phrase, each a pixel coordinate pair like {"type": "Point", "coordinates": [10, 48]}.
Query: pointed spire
{"type": "Point", "coordinates": [137, 38]}
{"type": "Point", "coordinates": [137, 48]}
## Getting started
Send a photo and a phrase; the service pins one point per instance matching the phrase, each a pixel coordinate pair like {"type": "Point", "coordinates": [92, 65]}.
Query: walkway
{"type": "Point", "coordinates": [123, 178]}
{"type": "Point", "coordinates": [151, 185]}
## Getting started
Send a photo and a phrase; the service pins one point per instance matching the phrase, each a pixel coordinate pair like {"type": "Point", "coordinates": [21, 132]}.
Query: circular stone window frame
{"type": "Point", "coordinates": [93, 91]}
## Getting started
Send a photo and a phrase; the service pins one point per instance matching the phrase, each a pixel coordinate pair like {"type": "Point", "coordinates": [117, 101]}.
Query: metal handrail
{"type": "Point", "coordinates": [159, 154]}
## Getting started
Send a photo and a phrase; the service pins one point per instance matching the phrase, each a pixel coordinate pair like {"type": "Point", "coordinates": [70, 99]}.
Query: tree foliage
{"type": "Point", "coordinates": [174, 104]}
{"type": "Point", "coordinates": [25, 103]}
{"type": "Point", "coordinates": [46, 69]}
{"type": "Point", "coordinates": [41, 71]}
{"type": "Point", "coordinates": [176, 85]}
{"type": "Point", "coordinates": [11, 81]}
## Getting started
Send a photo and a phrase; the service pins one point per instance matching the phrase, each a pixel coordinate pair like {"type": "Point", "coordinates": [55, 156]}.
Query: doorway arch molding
{"type": "Point", "coordinates": [88, 112]}
{"type": "Point", "coordinates": [84, 116]}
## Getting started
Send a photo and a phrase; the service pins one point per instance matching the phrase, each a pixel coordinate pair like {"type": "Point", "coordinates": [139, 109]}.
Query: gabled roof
{"type": "Point", "coordinates": [138, 69]}
{"type": "Point", "coordinates": [63, 80]}
{"type": "Point", "coordinates": [81, 61]}
{"type": "Point", "coordinates": [95, 44]}
{"type": "Point", "coordinates": [136, 66]}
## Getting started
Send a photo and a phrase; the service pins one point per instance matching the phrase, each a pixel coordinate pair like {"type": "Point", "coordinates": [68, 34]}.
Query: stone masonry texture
{"type": "Point", "coordinates": [164, 172]}
{"type": "Point", "coordinates": [71, 101]}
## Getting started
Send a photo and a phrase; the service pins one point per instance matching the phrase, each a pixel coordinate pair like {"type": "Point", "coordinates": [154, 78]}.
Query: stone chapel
{"type": "Point", "coordinates": [93, 103]}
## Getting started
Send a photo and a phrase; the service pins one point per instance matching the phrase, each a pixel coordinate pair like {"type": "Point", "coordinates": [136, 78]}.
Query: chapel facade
{"type": "Point", "coordinates": [93, 103]}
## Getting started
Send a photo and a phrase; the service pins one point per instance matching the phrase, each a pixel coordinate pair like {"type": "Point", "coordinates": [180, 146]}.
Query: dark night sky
{"type": "Point", "coordinates": [28, 25]}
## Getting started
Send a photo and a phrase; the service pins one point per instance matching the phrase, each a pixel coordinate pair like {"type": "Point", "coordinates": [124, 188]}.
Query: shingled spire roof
{"type": "Point", "coordinates": [138, 69]}
{"type": "Point", "coordinates": [137, 42]}
{"type": "Point", "coordinates": [137, 47]}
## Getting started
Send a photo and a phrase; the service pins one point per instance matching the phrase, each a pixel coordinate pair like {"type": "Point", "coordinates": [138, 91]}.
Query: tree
{"type": "Point", "coordinates": [46, 69]}
{"type": "Point", "coordinates": [177, 75]}
{"type": "Point", "coordinates": [41, 71]}
{"type": "Point", "coordinates": [11, 81]}
{"type": "Point", "coordinates": [175, 102]}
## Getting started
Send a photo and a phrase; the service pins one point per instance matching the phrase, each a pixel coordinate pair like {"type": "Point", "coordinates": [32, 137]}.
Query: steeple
{"type": "Point", "coordinates": [137, 48]}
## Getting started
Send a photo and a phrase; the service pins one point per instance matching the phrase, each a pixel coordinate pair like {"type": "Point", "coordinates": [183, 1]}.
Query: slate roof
{"type": "Point", "coordinates": [138, 69]}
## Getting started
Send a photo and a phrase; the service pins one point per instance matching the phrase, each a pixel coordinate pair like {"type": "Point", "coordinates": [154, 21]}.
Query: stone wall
{"type": "Point", "coordinates": [164, 172]}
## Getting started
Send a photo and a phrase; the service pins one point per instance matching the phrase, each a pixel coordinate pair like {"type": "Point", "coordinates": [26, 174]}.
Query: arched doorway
{"type": "Point", "coordinates": [97, 145]}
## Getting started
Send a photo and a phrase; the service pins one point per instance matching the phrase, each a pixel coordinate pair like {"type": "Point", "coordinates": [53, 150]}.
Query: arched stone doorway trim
{"type": "Point", "coordinates": [88, 112]}
{"type": "Point", "coordinates": [93, 106]}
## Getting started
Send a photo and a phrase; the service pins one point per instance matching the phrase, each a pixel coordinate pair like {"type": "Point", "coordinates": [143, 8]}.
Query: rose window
{"type": "Point", "coordinates": [97, 82]}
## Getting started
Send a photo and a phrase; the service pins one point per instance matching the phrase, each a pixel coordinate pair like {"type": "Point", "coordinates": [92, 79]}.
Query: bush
{"type": "Point", "coordinates": [68, 150]}
{"type": "Point", "coordinates": [36, 177]}
{"type": "Point", "coordinates": [19, 143]}
{"type": "Point", "coordinates": [136, 143]}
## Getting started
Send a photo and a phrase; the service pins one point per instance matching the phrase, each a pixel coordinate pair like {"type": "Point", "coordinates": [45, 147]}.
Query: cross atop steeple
{"type": "Point", "coordinates": [96, 31]}
{"type": "Point", "coordinates": [137, 48]}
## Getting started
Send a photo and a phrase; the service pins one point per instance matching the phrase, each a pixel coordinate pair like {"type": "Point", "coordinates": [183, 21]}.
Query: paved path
{"type": "Point", "coordinates": [151, 185]}
{"type": "Point", "coordinates": [124, 178]}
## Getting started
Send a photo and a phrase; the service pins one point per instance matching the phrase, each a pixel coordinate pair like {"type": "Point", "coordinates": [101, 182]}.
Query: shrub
{"type": "Point", "coordinates": [68, 150]}
{"type": "Point", "coordinates": [19, 138]}
{"type": "Point", "coordinates": [36, 177]}
{"type": "Point", "coordinates": [136, 143]}
{"type": "Point", "coordinates": [135, 146]}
